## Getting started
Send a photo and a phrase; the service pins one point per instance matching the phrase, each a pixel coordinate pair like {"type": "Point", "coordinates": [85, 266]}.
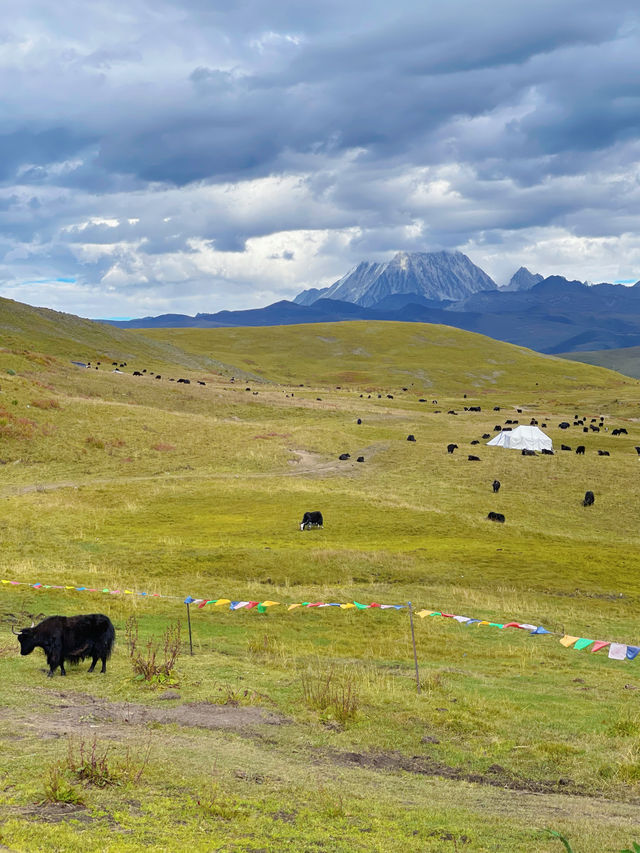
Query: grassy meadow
{"type": "Point", "coordinates": [302, 729]}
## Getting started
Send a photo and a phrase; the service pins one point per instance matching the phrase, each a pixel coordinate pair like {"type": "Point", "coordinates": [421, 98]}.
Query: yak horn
{"type": "Point", "coordinates": [17, 633]}
{"type": "Point", "coordinates": [33, 624]}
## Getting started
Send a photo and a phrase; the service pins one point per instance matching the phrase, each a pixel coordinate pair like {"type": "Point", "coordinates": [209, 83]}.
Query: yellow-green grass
{"type": "Point", "coordinates": [437, 361]}
{"type": "Point", "coordinates": [625, 359]}
{"type": "Point", "coordinates": [23, 327]}
{"type": "Point", "coordinates": [87, 501]}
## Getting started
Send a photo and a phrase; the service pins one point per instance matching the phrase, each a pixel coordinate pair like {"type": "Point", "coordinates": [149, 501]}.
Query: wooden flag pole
{"type": "Point", "coordinates": [189, 623]}
{"type": "Point", "coordinates": [415, 654]}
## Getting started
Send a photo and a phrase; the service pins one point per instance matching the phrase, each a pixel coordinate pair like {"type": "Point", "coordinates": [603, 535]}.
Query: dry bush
{"type": "Point", "coordinates": [155, 661]}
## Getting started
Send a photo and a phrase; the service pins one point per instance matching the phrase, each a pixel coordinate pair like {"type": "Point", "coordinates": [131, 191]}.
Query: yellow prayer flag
{"type": "Point", "coordinates": [222, 601]}
{"type": "Point", "coordinates": [292, 606]}
{"type": "Point", "coordinates": [568, 641]}
{"type": "Point", "coordinates": [423, 613]}
{"type": "Point", "coordinates": [484, 622]}
{"type": "Point", "coordinates": [269, 603]}
{"type": "Point", "coordinates": [128, 592]}
{"type": "Point", "coordinates": [346, 606]}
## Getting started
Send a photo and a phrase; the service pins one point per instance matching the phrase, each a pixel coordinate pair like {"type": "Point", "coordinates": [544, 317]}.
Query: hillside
{"type": "Point", "coordinates": [425, 358]}
{"type": "Point", "coordinates": [301, 727]}
{"type": "Point", "coordinates": [66, 336]}
{"type": "Point", "coordinates": [625, 360]}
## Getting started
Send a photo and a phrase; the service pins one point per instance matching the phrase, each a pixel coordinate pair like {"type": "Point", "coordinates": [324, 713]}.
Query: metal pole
{"type": "Point", "coordinates": [415, 654]}
{"type": "Point", "coordinates": [189, 622]}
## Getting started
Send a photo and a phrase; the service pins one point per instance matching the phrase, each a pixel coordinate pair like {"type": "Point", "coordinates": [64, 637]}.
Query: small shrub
{"type": "Point", "coordinates": [58, 789]}
{"type": "Point", "coordinates": [331, 694]}
{"type": "Point", "coordinates": [11, 371]}
{"type": "Point", "coordinates": [92, 763]}
{"type": "Point", "coordinates": [156, 661]}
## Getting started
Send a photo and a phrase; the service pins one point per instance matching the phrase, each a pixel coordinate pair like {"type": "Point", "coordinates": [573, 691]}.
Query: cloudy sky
{"type": "Point", "coordinates": [193, 155]}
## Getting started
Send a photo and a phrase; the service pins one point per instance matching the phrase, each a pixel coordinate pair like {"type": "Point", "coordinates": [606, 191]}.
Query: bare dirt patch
{"type": "Point", "coordinates": [73, 713]}
{"type": "Point", "coordinates": [495, 775]}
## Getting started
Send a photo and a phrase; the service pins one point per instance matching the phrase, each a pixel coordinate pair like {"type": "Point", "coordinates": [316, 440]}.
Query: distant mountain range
{"type": "Point", "coordinates": [551, 315]}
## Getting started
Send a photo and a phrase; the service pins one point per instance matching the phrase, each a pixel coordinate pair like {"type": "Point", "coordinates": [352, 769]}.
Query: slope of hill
{"type": "Point", "coordinates": [66, 336]}
{"type": "Point", "coordinates": [384, 354]}
{"type": "Point", "coordinates": [625, 360]}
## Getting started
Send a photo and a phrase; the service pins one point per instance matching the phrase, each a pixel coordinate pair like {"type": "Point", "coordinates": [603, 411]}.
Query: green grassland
{"type": "Point", "coordinates": [303, 730]}
{"type": "Point", "coordinates": [625, 360]}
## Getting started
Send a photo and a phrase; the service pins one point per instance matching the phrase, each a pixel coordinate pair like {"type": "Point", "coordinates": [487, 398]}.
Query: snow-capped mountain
{"type": "Point", "coordinates": [434, 275]}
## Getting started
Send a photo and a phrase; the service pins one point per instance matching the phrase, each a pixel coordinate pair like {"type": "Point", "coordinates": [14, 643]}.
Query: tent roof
{"type": "Point", "coordinates": [522, 437]}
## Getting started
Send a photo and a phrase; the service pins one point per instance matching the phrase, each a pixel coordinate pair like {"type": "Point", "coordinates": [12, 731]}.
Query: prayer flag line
{"type": "Point", "coordinates": [617, 651]}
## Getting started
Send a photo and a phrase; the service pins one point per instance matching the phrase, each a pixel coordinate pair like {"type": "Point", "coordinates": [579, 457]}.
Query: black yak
{"type": "Point", "coordinates": [588, 499]}
{"type": "Point", "coordinates": [311, 519]}
{"type": "Point", "coordinates": [70, 638]}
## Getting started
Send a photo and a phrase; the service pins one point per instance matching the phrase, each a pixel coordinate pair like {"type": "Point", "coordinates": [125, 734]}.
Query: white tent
{"type": "Point", "coordinates": [523, 438]}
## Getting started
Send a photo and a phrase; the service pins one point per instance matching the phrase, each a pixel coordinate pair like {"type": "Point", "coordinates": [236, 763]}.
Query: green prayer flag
{"type": "Point", "coordinates": [262, 608]}
{"type": "Point", "coordinates": [496, 625]}
{"type": "Point", "coordinates": [582, 643]}
{"type": "Point", "coordinates": [360, 606]}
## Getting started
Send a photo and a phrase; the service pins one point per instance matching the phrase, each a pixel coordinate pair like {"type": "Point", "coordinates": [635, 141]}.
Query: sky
{"type": "Point", "coordinates": [193, 155]}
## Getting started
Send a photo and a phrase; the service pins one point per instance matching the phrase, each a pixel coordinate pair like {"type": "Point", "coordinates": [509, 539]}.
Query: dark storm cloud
{"type": "Point", "coordinates": [147, 140]}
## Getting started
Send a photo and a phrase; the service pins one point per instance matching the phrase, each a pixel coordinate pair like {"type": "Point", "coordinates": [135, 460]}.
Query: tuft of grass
{"type": "Point", "coordinates": [333, 694]}
{"type": "Point", "coordinates": [94, 764]}
{"type": "Point", "coordinates": [58, 789]}
{"type": "Point", "coordinates": [219, 804]}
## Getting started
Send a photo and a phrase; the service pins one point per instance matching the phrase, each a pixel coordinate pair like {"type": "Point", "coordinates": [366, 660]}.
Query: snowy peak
{"type": "Point", "coordinates": [433, 275]}
{"type": "Point", "coordinates": [523, 280]}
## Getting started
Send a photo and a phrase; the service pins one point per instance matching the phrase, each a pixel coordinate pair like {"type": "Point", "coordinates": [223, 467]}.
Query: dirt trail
{"type": "Point", "coordinates": [304, 463]}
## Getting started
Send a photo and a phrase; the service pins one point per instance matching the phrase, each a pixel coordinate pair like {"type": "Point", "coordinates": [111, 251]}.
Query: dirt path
{"type": "Point", "coordinates": [304, 463]}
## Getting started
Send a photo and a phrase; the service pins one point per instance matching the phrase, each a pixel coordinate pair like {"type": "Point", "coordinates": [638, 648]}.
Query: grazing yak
{"type": "Point", "coordinates": [546, 452]}
{"type": "Point", "coordinates": [564, 447]}
{"type": "Point", "coordinates": [588, 499]}
{"type": "Point", "coordinates": [495, 486]}
{"type": "Point", "coordinates": [473, 458]}
{"type": "Point", "coordinates": [526, 452]}
{"type": "Point", "coordinates": [344, 456]}
{"type": "Point", "coordinates": [311, 519]}
{"type": "Point", "coordinates": [496, 516]}
{"type": "Point", "coordinates": [411, 438]}
{"type": "Point", "coordinates": [451, 448]}
{"type": "Point", "coordinates": [580, 450]}
{"type": "Point", "coordinates": [70, 638]}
